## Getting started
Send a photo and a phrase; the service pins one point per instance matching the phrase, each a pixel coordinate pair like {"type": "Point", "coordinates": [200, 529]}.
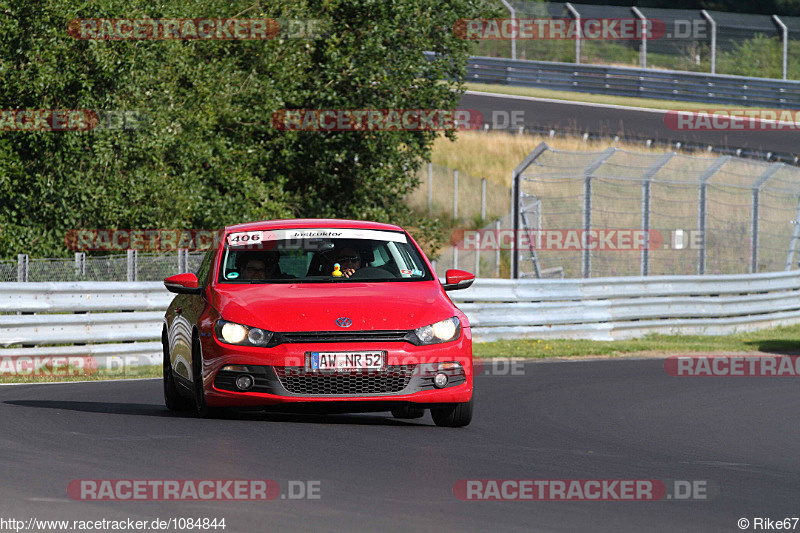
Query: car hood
{"type": "Point", "coordinates": [316, 306]}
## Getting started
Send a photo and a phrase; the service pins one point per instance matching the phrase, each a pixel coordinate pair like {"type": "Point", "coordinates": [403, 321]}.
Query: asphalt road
{"type": "Point", "coordinates": [576, 117]}
{"type": "Point", "coordinates": [624, 419]}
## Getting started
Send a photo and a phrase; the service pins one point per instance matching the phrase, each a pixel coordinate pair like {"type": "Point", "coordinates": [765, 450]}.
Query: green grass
{"type": "Point", "coordinates": [134, 372]}
{"type": "Point", "coordinates": [783, 340]}
{"type": "Point", "coordinates": [595, 98]}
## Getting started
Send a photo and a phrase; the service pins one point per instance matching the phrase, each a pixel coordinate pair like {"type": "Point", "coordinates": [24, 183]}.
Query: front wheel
{"type": "Point", "coordinates": [453, 415]}
{"type": "Point", "coordinates": [172, 398]}
{"type": "Point", "coordinates": [200, 406]}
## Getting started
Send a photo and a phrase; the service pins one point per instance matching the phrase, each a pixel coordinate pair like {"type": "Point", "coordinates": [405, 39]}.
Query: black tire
{"type": "Point", "coordinates": [454, 415]}
{"type": "Point", "coordinates": [172, 398]}
{"type": "Point", "coordinates": [202, 409]}
{"type": "Point", "coordinates": [408, 412]}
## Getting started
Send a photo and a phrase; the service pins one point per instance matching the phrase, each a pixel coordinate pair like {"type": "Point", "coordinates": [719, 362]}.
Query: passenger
{"type": "Point", "coordinates": [262, 266]}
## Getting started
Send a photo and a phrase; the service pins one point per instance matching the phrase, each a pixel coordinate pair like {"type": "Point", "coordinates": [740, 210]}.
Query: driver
{"type": "Point", "coordinates": [349, 260]}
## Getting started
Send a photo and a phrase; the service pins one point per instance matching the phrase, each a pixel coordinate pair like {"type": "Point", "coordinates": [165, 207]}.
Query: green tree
{"type": "Point", "coordinates": [208, 154]}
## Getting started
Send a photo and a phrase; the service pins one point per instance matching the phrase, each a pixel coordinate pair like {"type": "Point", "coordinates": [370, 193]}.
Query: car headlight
{"type": "Point", "coordinates": [233, 333]}
{"type": "Point", "coordinates": [442, 331]}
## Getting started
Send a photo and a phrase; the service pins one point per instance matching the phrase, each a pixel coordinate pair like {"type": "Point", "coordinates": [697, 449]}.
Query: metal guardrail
{"type": "Point", "coordinates": [123, 320]}
{"type": "Point", "coordinates": [636, 82]}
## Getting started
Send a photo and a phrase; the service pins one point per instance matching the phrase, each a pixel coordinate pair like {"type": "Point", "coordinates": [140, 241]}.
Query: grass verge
{"type": "Point", "coordinates": [132, 372]}
{"type": "Point", "coordinates": [783, 340]}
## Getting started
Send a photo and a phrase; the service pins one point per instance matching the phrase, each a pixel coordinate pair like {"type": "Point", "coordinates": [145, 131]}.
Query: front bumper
{"type": "Point", "coordinates": [281, 379]}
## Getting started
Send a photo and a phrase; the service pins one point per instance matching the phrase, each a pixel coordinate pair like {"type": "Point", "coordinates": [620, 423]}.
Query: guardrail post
{"type": "Point", "coordinates": [80, 264]}
{"type": "Point", "coordinates": [701, 211]}
{"type": "Point", "coordinates": [645, 27]}
{"type": "Point", "coordinates": [586, 263]}
{"type": "Point", "coordinates": [22, 268]}
{"type": "Point", "coordinates": [784, 38]}
{"type": "Point", "coordinates": [574, 12]}
{"type": "Point", "coordinates": [516, 198]}
{"type": "Point", "coordinates": [754, 213]}
{"type": "Point", "coordinates": [647, 177]}
{"type": "Point", "coordinates": [713, 25]}
{"type": "Point", "coordinates": [132, 265]}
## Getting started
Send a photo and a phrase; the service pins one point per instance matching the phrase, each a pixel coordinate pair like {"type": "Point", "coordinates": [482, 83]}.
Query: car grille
{"type": "Point", "coordinates": [339, 336]}
{"type": "Point", "coordinates": [392, 380]}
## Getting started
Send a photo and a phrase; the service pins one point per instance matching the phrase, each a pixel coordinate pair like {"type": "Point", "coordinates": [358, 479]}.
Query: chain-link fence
{"type": "Point", "coordinates": [690, 214]}
{"type": "Point", "coordinates": [132, 266]}
{"type": "Point", "coordinates": [469, 203]}
{"type": "Point", "coordinates": [453, 194]}
{"type": "Point", "coordinates": [691, 40]}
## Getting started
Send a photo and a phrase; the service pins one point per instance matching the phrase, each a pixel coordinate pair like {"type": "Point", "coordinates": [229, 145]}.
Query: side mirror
{"type": "Point", "coordinates": [183, 284]}
{"type": "Point", "coordinates": [458, 279]}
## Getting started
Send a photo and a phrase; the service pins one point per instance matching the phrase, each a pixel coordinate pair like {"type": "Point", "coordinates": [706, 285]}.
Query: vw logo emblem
{"type": "Point", "coordinates": [344, 322]}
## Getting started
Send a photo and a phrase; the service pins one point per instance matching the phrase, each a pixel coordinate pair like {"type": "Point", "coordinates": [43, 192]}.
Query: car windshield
{"type": "Point", "coordinates": [321, 256]}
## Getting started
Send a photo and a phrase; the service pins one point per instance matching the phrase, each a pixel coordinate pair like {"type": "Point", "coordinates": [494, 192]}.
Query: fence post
{"type": "Point", "coordinates": [793, 241]}
{"type": "Point", "coordinates": [516, 197]}
{"type": "Point", "coordinates": [477, 254]}
{"type": "Point", "coordinates": [132, 265]}
{"type": "Point", "coordinates": [430, 186]}
{"type": "Point", "coordinates": [784, 39]}
{"type": "Point", "coordinates": [647, 177]}
{"type": "Point", "coordinates": [80, 264]}
{"type": "Point", "coordinates": [513, 35]}
{"type": "Point", "coordinates": [586, 263]}
{"type": "Point", "coordinates": [483, 199]}
{"type": "Point", "coordinates": [183, 260]}
{"type": "Point", "coordinates": [22, 268]}
{"type": "Point", "coordinates": [579, 35]}
{"type": "Point", "coordinates": [754, 213]}
{"type": "Point", "coordinates": [497, 249]}
{"type": "Point", "coordinates": [701, 211]}
{"type": "Point", "coordinates": [645, 27]}
{"type": "Point", "coordinates": [713, 25]}
{"type": "Point", "coordinates": [455, 195]}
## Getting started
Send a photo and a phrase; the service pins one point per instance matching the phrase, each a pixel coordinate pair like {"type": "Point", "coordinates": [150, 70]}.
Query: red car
{"type": "Point", "coordinates": [320, 315]}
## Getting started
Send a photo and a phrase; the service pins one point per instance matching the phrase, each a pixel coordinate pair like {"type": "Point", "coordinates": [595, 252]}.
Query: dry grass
{"type": "Point", "coordinates": [493, 155]}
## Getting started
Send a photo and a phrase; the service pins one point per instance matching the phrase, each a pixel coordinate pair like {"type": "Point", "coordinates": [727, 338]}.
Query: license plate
{"type": "Point", "coordinates": [346, 361]}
